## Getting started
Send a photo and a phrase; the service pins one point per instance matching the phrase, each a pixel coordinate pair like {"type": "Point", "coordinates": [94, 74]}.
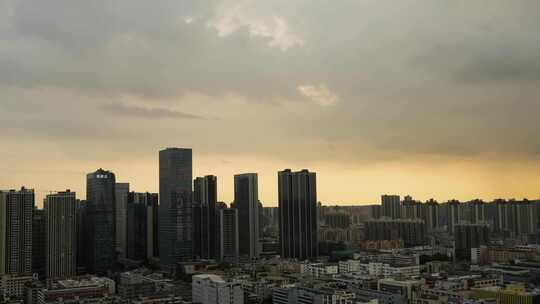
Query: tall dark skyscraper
{"type": "Point", "coordinates": [204, 217]}
{"type": "Point", "coordinates": [100, 225]}
{"type": "Point", "coordinates": [16, 210]}
{"type": "Point", "coordinates": [175, 194]}
{"type": "Point", "coordinates": [391, 206]}
{"type": "Point", "coordinates": [227, 227]}
{"type": "Point", "coordinates": [246, 201]}
{"type": "Point", "coordinates": [82, 234]}
{"type": "Point", "coordinates": [61, 213]}
{"type": "Point", "coordinates": [121, 201]}
{"type": "Point", "coordinates": [39, 242]}
{"type": "Point", "coordinates": [142, 219]}
{"type": "Point", "coordinates": [298, 219]}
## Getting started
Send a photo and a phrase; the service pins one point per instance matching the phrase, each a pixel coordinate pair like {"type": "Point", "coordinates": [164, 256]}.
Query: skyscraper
{"type": "Point", "coordinates": [82, 234]}
{"type": "Point", "coordinates": [61, 213]}
{"type": "Point", "coordinates": [204, 217]}
{"type": "Point", "coordinates": [246, 200]}
{"type": "Point", "coordinates": [227, 226]}
{"type": "Point", "coordinates": [391, 207]}
{"type": "Point", "coordinates": [100, 225]}
{"type": "Point", "coordinates": [16, 210]}
{"type": "Point", "coordinates": [121, 201]}
{"type": "Point", "coordinates": [142, 219]}
{"type": "Point", "coordinates": [298, 220]}
{"type": "Point", "coordinates": [39, 242]}
{"type": "Point", "coordinates": [175, 194]}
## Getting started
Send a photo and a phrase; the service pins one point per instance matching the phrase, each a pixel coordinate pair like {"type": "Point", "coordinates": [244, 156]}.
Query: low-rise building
{"type": "Point", "coordinates": [80, 290]}
{"type": "Point", "coordinates": [12, 286]}
{"type": "Point", "coordinates": [213, 289]}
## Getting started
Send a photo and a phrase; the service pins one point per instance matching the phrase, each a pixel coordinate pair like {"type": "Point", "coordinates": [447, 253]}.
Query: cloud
{"type": "Point", "coordinates": [147, 112]}
{"type": "Point", "coordinates": [320, 94]}
{"type": "Point", "coordinates": [274, 29]}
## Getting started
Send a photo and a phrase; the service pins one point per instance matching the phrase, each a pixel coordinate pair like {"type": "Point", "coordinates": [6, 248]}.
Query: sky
{"type": "Point", "coordinates": [431, 98]}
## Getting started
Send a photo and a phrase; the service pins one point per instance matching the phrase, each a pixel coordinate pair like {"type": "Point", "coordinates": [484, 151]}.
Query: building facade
{"type": "Point", "coordinates": [246, 201]}
{"type": "Point", "coordinates": [175, 194]}
{"type": "Point", "coordinates": [16, 211]}
{"type": "Point", "coordinates": [212, 289]}
{"type": "Point", "coordinates": [61, 213]}
{"type": "Point", "coordinates": [228, 239]}
{"type": "Point", "coordinates": [121, 200]}
{"type": "Point", "coordinates": [204, 217]}
{"type": "Point", "coordinates": [298, 222]}
{"type": "Point", "coordinates": [142, 226]}
{"type": "Point", "coordinates": [100, 221]}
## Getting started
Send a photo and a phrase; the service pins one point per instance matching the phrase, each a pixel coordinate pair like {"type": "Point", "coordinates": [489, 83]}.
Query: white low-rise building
{"type": "Point", "coordinates": [318, 270]}
{"type": "Point", "coordinates": [213, 289]}
{"type": "Point", "coordinates": [349, 266]}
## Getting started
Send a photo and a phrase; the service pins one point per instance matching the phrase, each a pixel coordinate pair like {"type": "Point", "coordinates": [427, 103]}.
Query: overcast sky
{"type": "Point", "coordinates": [432, 98]}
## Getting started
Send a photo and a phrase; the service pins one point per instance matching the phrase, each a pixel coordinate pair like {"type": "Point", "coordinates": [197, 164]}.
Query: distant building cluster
{"type": "Point", "coordinates": [183, 245]}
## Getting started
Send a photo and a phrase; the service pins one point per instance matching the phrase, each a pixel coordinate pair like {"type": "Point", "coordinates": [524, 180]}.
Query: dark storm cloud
{"type": "Point", "coordinates": [149, 113]}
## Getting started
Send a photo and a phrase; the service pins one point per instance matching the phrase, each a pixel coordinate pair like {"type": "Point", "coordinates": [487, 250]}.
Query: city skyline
{"type": "Point", "coordinates": [225, 192]}
{"type": "Point", "coordinates": [372, 99]}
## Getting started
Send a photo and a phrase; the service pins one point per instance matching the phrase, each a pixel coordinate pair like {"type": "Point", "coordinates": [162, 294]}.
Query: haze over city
{"type": "Point", "coordinates": [428, 98]}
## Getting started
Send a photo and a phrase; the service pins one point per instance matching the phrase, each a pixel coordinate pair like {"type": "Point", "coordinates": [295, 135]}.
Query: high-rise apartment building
{"type": "Point", "coordinates": [204, 217]}
{"type": "Point", "coordinates": [61, 214]}
{"type": "Point", "coordinates": [391, 206]}
{"type": "Point", "coordinates": [246, 200]}
{"type": "Point", "coordinates": [16, 211]}
{"type": "Point", "coordinates": [175, 218]}
{"type": "Point", "coordinates": [412, 232]}
{"type": "Point", "coordinates": [298, 222]}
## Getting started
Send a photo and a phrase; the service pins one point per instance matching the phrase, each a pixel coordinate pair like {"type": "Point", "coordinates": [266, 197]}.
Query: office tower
{"type": "Point", "coordinates": [16, 209]}
{"type": "Point", "coordinates": [246, 200]}
{"type": "Point", "coordinates": [391, 207]}
{"type": "Point", "coordinates": [204, 217]}
{"type": "Point", "coordinates": [411, 232]}
{"type": "Point", "coordinates": [468, 236]}
{"type": "Point", "coordinates": [61, 213]}
{"type": "Point", "coordinates": [82, 233]}
{"type": "Point", "coordinates": [142, 211]}
{"type": "Point", "coordinates": [227, 232]}
{"type": "Point", "coordinates": [212, 289]}
{"type": "Point", "coordinates": [121, 200]}
{"type": "Point", "coordinates": [39, 242]}
{"type": "Point", "coordinates": [175, 194]}
{"type": "Point", "coordinates": [298, 224]}
{"type": "Point", "coordinates": [100, 221]}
